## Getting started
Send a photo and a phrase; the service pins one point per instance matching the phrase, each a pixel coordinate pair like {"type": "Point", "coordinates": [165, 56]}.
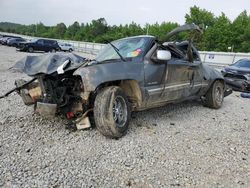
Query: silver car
{"type": "Point", "coordinates": [66, 47]}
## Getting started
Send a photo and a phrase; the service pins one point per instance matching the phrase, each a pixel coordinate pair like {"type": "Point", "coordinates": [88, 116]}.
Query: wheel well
{"type": "Point", "coordinates": [130, 87]}
{"type": "Point", "coordinates": [221, 80]}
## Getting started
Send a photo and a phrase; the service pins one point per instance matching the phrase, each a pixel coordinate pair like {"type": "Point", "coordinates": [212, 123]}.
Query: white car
{"type": "Point", "coordinates": [66, 47]}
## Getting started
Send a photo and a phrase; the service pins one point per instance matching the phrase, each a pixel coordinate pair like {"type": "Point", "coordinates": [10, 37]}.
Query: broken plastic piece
{"type": "Point", "coordinates": [46, 109]}
{"type": "Point", "coordinates": [60, 69]}
{"type": "Point", "coordinates": [35, 93]}
{"type": "Point", "coordinates": [84, 123]}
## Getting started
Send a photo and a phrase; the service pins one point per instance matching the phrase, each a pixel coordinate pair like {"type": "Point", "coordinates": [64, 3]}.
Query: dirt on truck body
{"type": "Point", "coordinates": [129, 74]}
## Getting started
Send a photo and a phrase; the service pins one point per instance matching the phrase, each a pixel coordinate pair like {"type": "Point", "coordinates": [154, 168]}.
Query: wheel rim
{"type": "Point", "coordinates": [218, 95]}
{"type": "Point", "coordinates": [120, 111]}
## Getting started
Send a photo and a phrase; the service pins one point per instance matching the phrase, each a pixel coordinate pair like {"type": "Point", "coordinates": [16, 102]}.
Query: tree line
{"type": "Point", "coordinates": [219, 32]}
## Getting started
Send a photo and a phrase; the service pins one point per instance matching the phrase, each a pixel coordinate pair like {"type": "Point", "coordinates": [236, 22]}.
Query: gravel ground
{"type": "Point", "coordinates": [183, 145]}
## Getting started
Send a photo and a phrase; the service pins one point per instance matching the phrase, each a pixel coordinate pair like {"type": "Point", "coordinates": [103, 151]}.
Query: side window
{"type": "Point", "coordinates": [40, 42]}
{"type": "Point", "coordinates": [47, 42]}
{"type": "Point", "coordinates": [51, 42]}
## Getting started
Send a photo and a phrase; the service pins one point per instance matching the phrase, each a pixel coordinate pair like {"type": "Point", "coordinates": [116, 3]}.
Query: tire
{"type": "Point", "coordinates": [215, 95]}
{"type": "Point", "coordinates": [30, 49]}
{"type": "Point", "coordinates": [70, 50]}
{"type": "Point", "coordinates": [53, 50]}
{"type": "Point", "coordinates": [112, 112]}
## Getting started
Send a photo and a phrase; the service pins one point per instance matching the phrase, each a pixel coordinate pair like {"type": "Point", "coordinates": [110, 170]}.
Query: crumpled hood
{"type": "Point", "coordinates": [48, 63]}
{"type": "Point", "coordinates": [237, 70]}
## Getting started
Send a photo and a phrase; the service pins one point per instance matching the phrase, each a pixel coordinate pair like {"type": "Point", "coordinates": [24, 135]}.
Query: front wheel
{"type": "Point", "coordinates": [215, 95]}
{"type": "Point", "coordinates": [112, 112]}
{"type": "Point", "coordinates": [53, 50]}
{"type": "Point", "coordinates": [30, 49]}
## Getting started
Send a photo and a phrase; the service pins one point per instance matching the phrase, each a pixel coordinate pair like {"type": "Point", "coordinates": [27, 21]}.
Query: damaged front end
{"type": "Point", "coordinates": [240, 85]}
{"type": "Point", "coordinates": [55, 91]}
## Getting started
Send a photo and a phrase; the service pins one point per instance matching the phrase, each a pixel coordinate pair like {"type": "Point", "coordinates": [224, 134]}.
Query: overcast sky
{"type": "Point", "coordinates": [51, 12]}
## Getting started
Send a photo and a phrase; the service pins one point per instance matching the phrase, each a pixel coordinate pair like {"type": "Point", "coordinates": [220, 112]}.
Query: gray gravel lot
{"type": "Point", "coordinates": [183, 145]}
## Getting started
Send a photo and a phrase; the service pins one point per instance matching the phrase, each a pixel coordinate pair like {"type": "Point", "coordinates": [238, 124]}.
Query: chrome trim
{"type": "Point", "coordinates": [176, 86]}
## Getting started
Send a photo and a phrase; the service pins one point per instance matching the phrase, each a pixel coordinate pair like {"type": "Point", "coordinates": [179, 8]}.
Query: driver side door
{"type": "Point", "coordinates": [167, 81]}
{"type": "Point", "coordinates": [155, 73]}
{"type": "Point", "coordinates": [39, 45]}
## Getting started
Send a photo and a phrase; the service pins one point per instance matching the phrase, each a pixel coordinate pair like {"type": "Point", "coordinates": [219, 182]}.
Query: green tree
{"type": "Point", "coordinates": [200, 17]}
{"type": "Point", "coordinates": [60, 30]}
{"type": "Point", "coordinates": [218, 37]}
{"type": "Point", "coordinates": [72, 30]}
{"type": "Point", "coordinates": [241, 33]}
{"type": "Point", "coordinates": [160, 30]}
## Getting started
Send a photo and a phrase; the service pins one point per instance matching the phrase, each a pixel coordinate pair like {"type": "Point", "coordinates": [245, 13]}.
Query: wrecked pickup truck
{"type": "Point", "coordinates": [130, 74]}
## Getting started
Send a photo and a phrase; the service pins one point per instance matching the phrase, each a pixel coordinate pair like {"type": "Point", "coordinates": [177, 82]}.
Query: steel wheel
{"type": "Point", "coordinates": [218, 95]}
{"type": "Point", "coordinates": [30, 49]}
{"type": "Point", "coordinates": [215, 95]}
{"type": "Point", "coordinates": [112, 112]}
{"type": "Point", "coordinates": [120, 111]}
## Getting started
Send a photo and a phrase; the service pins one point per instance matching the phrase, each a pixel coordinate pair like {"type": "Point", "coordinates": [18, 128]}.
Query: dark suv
{"type": "Point", "coordinates": [39, 45]}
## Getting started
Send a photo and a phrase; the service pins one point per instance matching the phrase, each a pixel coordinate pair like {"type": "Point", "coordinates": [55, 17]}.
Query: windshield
{"type": "Point", "coordinates": [33, 40]}
{"type": "Point", "coordinates": [128, 47]}
{"type": "Point", "coordinates": [243, 63]}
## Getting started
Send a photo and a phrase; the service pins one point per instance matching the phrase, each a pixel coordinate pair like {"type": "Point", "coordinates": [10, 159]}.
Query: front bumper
{"type": "Point", "coordinates": [240, 85]}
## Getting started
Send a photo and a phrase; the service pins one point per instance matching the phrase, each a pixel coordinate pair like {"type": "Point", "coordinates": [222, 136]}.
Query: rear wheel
{"type": "Point", "coordinates": [70, 50]}
{"type": "Point", "coordinates": [30, 49]}
{"type": "Point", "coordinates": [215, 95]}
{"type": "Point", "coordinates": [112, 112]}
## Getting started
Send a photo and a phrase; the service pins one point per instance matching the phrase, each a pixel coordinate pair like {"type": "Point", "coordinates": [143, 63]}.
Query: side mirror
{"type": "Point", "coordinates": [163, 55]}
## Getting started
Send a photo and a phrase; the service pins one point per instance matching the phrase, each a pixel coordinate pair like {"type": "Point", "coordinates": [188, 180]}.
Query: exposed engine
{"type": "Point", "coordinates": [55, 95]}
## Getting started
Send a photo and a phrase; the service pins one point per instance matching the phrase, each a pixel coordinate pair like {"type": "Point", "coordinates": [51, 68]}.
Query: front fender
{"type": "Point", "coordinates": [210, 74]}
{"type": "Point", "coordinates": [94, 75]}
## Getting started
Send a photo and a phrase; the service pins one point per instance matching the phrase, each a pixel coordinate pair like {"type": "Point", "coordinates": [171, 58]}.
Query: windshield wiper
{"type": "Point", "coordinates": [116, 50]}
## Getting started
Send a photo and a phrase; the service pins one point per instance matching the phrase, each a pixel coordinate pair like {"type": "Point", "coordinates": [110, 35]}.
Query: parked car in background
{"type": "Point", "coordinates": [66, 47]}
{"type": "Point", "coordinates": [5, 39]}
{"type": "Point", "coordinates": [15, 41]}
{"type": "Point", "coordinates": [1, 39]}
{"type": "Point", "coordinates": [45, 45]}
{"type": "Point", "coordinates": [238, 70]}
{"type": "Point", "coordinates": [237, 75]}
